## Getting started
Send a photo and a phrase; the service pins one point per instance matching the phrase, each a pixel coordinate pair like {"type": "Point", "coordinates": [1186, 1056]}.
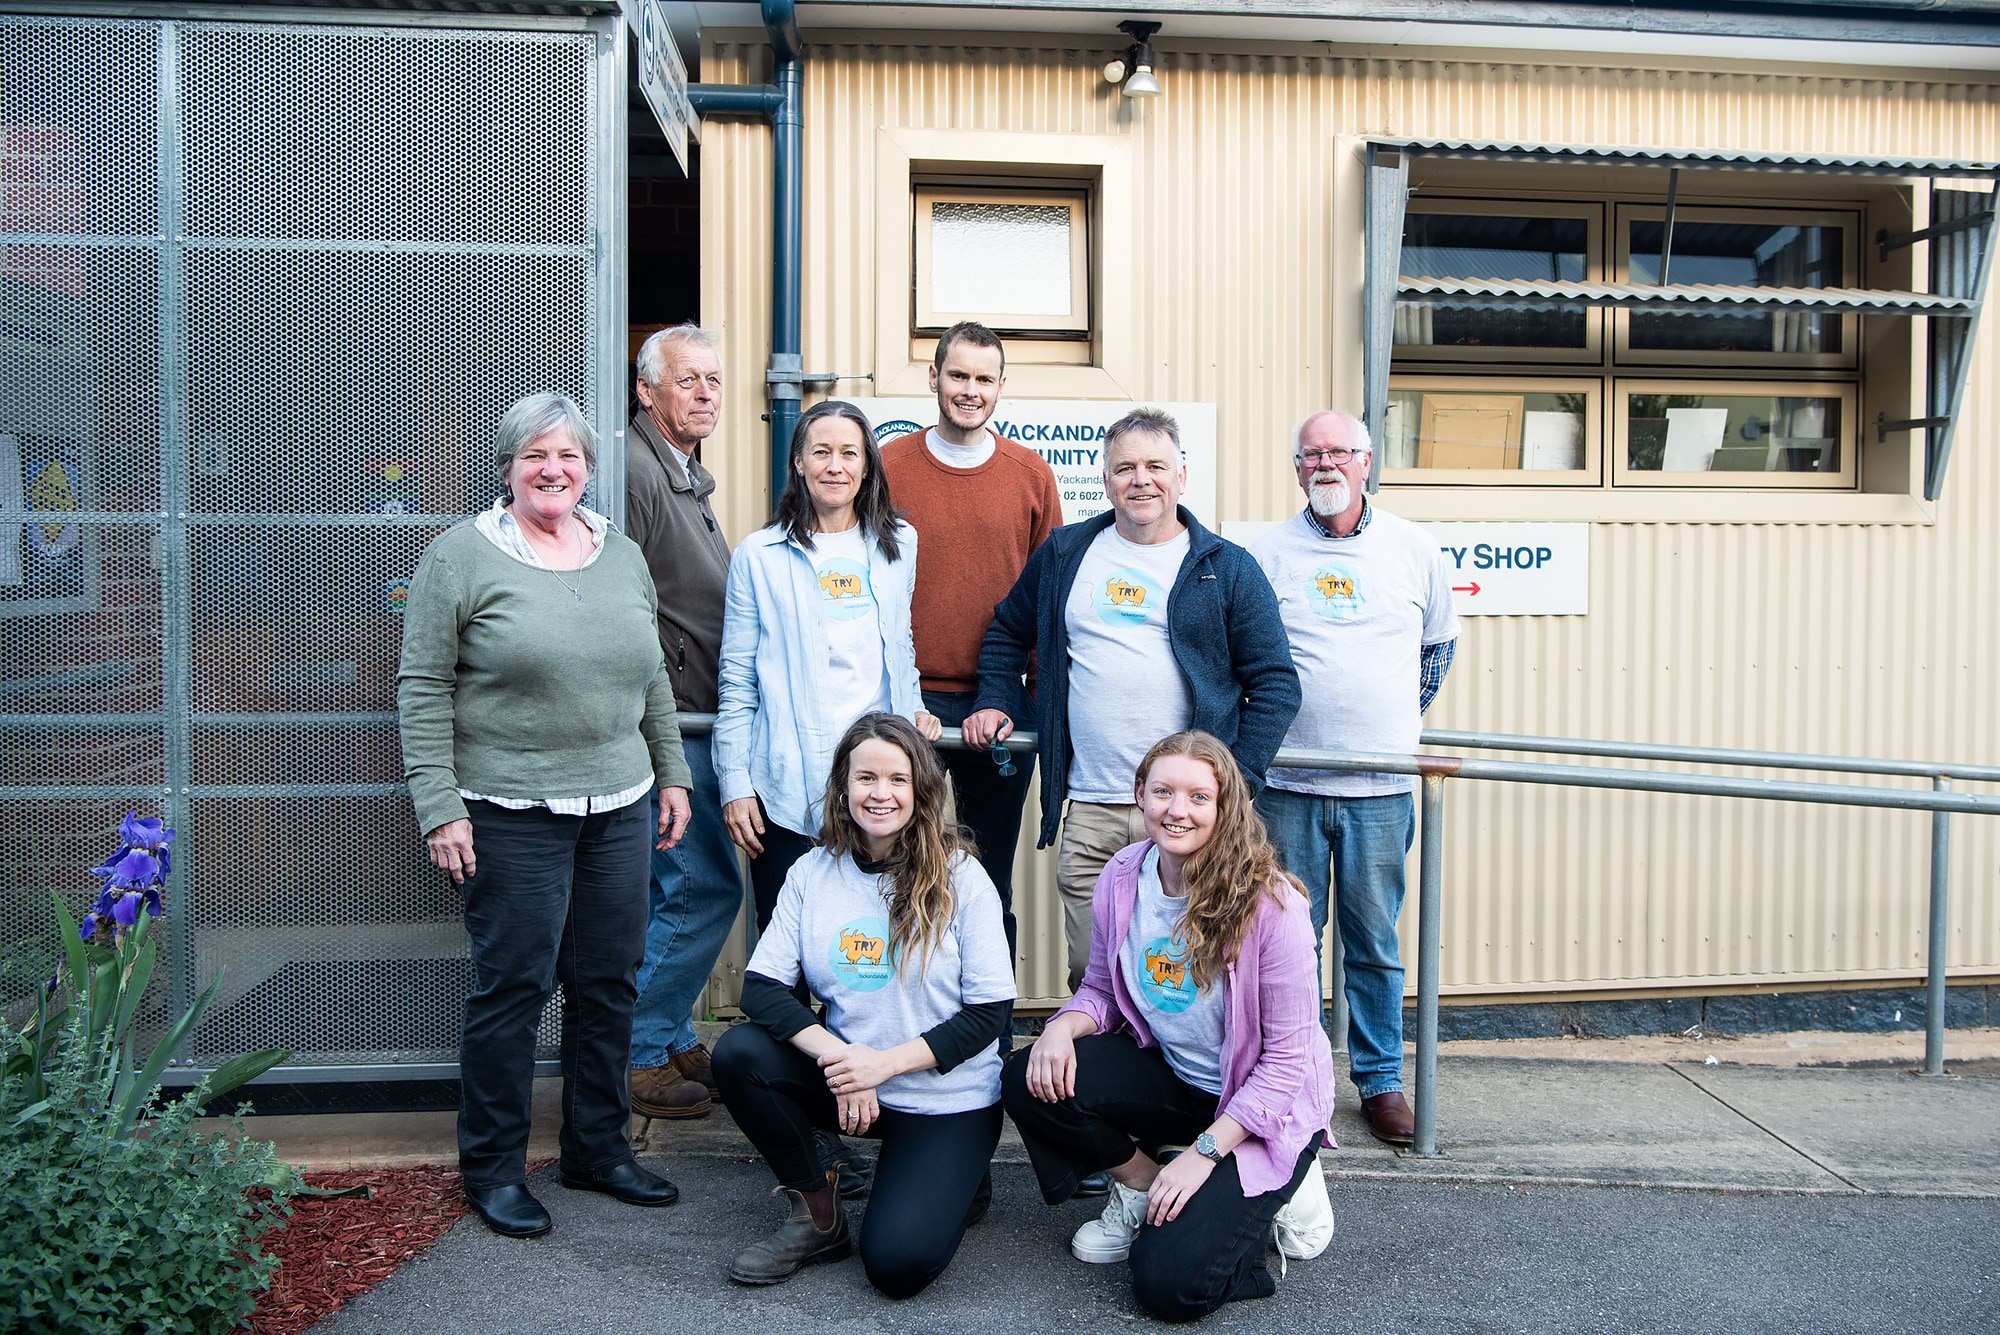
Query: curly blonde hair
{"type": "Point", "coordinates": [1228, 876]}
{"type": "Point", "coordinates": [923, 903]}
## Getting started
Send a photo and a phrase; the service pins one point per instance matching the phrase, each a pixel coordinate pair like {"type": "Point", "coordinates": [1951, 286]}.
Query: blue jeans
{"type": "Point", "coordinates": [1365, 840]}
{"type": "Point", "coordinates": [697, 892]}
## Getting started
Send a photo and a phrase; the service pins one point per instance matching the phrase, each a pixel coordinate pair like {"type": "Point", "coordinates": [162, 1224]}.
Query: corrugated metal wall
{"type": "Point", "coordinates": [1875, 640]}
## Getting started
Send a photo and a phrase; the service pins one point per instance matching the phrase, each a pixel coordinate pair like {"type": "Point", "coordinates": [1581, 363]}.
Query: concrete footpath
{"type": "Point", "coordinates": [1789, 1182]}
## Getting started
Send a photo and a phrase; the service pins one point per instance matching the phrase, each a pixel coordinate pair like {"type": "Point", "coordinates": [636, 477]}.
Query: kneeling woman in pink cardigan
{"type": "Point", "coordinates": [1197, 1024]}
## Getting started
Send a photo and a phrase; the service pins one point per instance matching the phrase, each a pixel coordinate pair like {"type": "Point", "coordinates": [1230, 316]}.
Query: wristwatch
{"type": "Point", "coordinates": [1204, 1145]}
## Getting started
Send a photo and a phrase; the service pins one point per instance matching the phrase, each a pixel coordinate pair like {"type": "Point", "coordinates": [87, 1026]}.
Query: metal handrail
{"type": "Point", "coordinates": [1710, 755]}
{"type": "Point", "coordinates": [1434, 770]}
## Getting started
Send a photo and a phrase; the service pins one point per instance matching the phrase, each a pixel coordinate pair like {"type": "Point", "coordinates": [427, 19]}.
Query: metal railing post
{"type": "Point", "coordinates": [1430, 883]}
{"type": "Point", "coordinates": [1937, 943]}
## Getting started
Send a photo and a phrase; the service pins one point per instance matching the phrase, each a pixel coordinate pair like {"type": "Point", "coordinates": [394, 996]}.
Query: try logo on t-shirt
{"type": "Point", "coordinates": [1335, 591]}
{"type": "Point", "coordinates": [1127, 598]}
{"type": "Point", "coordinates": [844, 591]}
{"type": "Point", "coordinates": [861, 958]}
{"type": "Point", "coordinates": [1165, 984]}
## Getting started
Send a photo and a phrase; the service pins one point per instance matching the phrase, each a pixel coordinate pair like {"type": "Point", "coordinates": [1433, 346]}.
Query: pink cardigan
{"type": "Point", "coordinates": [1277, 1067]}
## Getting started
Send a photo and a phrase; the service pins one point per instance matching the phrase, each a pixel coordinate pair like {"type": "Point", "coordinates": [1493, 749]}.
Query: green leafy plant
{"type": "Point", "coordinates": [121, 1212]}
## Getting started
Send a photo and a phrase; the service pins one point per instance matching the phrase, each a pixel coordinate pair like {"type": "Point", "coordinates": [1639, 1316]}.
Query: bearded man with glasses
{"type": "Point", "coordinates": [1366, 602]}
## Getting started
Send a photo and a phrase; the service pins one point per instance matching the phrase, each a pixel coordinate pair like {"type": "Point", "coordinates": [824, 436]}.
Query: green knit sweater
{"type": "Point", "coordinates": [512, 686]}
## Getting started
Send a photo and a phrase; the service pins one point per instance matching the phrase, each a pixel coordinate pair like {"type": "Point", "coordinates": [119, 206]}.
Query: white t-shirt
{"type": "Point", "coordinates": [832, 923]}
{"type": "Point", "coordinates": [860, 676]}
{"type": "Point", "coordinates": [1125, 689]}
{"type": "Point", "coordinates": [1185, 1019]}
{"type": "Point", "coordinates": [959, 456]}
{"type": "Point", "coordinates": [1358, 611]}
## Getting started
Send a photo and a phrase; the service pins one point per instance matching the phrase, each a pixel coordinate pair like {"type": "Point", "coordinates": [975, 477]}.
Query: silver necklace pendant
{"type": "Point", "coordinates": [576, 589]}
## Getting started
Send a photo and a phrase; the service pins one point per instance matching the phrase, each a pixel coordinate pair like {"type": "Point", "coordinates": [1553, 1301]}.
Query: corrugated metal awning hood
{"type": "Point", "coordinates": [1519, 293]}
{"type": "Point", "coordinates": [1718, 159]}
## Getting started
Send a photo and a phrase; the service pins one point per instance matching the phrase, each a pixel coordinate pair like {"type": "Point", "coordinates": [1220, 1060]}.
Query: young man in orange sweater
{"type": "Point", "coordinates": [981, 504]}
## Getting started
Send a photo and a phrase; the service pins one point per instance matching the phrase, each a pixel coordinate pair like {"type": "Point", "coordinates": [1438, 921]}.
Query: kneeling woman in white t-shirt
{"type": "Point", "coordinates": [1197, 1024]}
{"type": "Point", "coordinates": [894, 925]}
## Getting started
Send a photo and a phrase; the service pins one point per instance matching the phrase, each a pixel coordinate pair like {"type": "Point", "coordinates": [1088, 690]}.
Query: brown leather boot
{"type": "Point", "coordinates": [662, 1091]}
{"type": "Point", "coordinates": [694, 1064]}
{"type": "Point", "coordinates": [798, 1241]}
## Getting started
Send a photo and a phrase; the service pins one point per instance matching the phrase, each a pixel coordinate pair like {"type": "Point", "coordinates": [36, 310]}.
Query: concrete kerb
{"type": "Point", "coordinates": [1521, 1121]}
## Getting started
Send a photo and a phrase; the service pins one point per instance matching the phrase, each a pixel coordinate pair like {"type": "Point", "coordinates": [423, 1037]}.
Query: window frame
{"type": "Point", "coordinates": [1590, 475]}
{"type": "Point", "coordinates": [1623, 355]}
{"type": "Point", "coordinates": [927, 321]}
{"type": "Point", "coordinates": [1593, 214]}
{"type": "Point", "coordinates": [1846, 393]}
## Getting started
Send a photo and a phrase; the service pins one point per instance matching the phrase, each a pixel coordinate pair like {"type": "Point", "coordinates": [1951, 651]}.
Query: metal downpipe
{"type": "Point", "coordinates": [784, 380]}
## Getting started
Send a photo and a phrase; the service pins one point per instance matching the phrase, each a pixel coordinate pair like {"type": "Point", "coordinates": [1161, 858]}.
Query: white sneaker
{"type": "Point", "coordinates": [1304, 1227]}
{"type": "Point", "coordinates": [1108, 1237]}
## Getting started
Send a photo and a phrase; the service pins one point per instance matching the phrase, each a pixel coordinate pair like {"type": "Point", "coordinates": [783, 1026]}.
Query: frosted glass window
{"type": "Point", "coordinates": [1002, 259]}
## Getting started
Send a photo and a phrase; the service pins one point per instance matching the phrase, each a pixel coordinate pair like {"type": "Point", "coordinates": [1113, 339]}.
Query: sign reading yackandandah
{"type": "Point", "coordinates": [1069, 434]}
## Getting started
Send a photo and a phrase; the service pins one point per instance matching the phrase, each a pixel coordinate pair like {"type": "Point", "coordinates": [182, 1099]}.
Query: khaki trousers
{"type": "Point", "coordinates": [1091, 833]}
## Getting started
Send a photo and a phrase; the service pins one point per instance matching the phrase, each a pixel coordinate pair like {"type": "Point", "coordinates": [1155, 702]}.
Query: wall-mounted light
{"type": "Point", "coordinates": [1135, 68]}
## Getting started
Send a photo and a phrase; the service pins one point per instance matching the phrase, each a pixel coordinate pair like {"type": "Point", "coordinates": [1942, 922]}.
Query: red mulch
{"type": "Point", "coordinates": [334, 1249]}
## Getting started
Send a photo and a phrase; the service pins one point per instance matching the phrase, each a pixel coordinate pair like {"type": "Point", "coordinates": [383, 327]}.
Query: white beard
{"type": "Point", "coordinates": [1329, 498]}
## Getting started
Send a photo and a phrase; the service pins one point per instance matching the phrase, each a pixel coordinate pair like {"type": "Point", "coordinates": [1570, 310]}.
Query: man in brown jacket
{"type": "Point", "coordinates": [981, 504]}
{"type": "Point", "coordinates": [696, 888]}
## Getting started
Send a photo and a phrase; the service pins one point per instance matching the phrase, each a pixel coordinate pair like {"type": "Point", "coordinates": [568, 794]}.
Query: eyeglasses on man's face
{"type": "Point", "coordinates": [1337, 456]}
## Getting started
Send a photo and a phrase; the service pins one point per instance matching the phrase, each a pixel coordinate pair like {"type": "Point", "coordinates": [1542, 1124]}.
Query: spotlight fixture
{"type": "Point", "coordinates": [1134, 69]}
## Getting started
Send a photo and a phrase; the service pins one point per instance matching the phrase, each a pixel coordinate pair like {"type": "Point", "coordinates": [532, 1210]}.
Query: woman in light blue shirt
{"type": "Point", "coordinates": [815, 633]}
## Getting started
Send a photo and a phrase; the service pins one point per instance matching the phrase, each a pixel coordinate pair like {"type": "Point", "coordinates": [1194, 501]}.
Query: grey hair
{"type": "Point", "coordinates": [1357, 432]}
{"type": "Point", "coordinates": [652, 360]}
{"type": "Point", "coordinates": [532, 418]}
{"type": "Point", "coordinates": [1143, 419]}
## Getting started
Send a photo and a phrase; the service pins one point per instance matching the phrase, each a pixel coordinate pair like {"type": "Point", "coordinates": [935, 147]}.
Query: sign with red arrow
{"type": "Point", "coordinates": [1517, 569]}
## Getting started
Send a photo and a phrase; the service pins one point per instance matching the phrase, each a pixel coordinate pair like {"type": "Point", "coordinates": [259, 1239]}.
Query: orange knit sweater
{"type": "Point", "coordinates": [976, 528]}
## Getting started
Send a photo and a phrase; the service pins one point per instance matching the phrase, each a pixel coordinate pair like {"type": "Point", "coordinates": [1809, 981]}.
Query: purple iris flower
{"type": "Point", "coordinates": [135, 871]}
{"type": "Point", "coordinates": [126, 911]}
{"type": "Point", "coordinates": [83, 933]}
{"type": "Point", "coordinates": [148, 833]}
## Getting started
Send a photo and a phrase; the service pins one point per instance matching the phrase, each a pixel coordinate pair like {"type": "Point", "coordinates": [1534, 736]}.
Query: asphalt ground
{"type": "Point", "coordinates": [1407, 1256]}
{"type": "Point", "coordinates": [1658, 1193]}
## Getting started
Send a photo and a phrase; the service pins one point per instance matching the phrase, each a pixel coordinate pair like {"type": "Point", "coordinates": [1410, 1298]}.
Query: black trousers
{"type": "Point", "coordinates": [782, 847]}
{"type": "Point", "coordinates": [926, 1174]}
{"type": "Point", "coordinates": [555, 899]}
{"type": "Point", "coordinates": [989, 805]}
{"type": "Point", "coordinates": [1127, 1097]}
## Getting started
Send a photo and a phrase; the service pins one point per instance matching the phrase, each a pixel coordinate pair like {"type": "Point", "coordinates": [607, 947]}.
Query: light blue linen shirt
{"type": "Point", "coordinates": [775, 730]}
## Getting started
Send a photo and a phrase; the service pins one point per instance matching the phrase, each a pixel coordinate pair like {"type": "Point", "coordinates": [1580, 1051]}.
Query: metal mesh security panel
{"type": "Point", "coordinates": [299, 618]}
{"type": "Point", "coordinates": [80, 629]}
{"type": "Point", "coordinates": [380, 136]}
{"type": "Point", "coordinates": [351, 382]}
{"type": "Point", "coordinates": [331, 932]}
{"type": "Point", "coordinates": [78, 126]}
{"type": "Point", "coordinates": [367, 245]}
{"type": "Point", "coordinates": [79, 379]}
{"type": "Point", "coordinates": [268, 752]}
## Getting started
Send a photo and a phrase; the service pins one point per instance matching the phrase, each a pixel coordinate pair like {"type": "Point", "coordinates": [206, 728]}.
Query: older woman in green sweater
{"type": "Point", "coordinates": [537, 716]}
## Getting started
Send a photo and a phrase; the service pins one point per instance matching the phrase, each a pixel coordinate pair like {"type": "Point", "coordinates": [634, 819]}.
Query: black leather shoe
{"type": "Point", "coordinates": [625, 1182]}
{"type": "Point", "coordinates": [1097, 1184]}
{"type": "Point", "coordinates": [511, 1211]}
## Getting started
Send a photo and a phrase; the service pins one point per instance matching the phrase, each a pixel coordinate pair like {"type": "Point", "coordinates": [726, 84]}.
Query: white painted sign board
{"type": "Point", "coordinates": [1069, 434]}
{"type": "Point", "coordinates": [1517, 569]}
{"type": "Point", "coordinates": [662, 76]}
